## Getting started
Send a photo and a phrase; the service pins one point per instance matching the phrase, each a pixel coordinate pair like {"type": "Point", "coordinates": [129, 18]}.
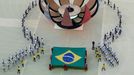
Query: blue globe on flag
{"type": "Point", "coordinates": [68, 57]}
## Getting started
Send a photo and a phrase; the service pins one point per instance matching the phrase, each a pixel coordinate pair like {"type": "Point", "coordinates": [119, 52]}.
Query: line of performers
{"type": "Point", "coordinates": [104, 49]}
{"type": "Point", "coordinates": [107, 52]}
{"type": "Point", "coordinates": [35, 49]}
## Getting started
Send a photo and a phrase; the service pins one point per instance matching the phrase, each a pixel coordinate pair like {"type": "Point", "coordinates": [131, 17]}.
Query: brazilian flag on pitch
{"type": "Point", "coordinates": [72, 57]}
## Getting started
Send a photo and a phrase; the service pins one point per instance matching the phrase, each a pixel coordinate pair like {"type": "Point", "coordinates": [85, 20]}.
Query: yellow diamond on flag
{"type": "Point", "coordinates": [68, 57]}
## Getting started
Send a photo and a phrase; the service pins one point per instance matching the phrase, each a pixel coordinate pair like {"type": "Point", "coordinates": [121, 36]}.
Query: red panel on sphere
{"type": "Point", "coordinates": [87, 15]}
{"type": "Point", "coordinates": [90, 3]}
{"type": "Point", "coordinates": [66, 21]}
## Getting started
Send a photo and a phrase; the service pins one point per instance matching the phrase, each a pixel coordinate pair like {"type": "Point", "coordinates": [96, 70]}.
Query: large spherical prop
{"type": "Point", "coordinates": [69, 15]}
